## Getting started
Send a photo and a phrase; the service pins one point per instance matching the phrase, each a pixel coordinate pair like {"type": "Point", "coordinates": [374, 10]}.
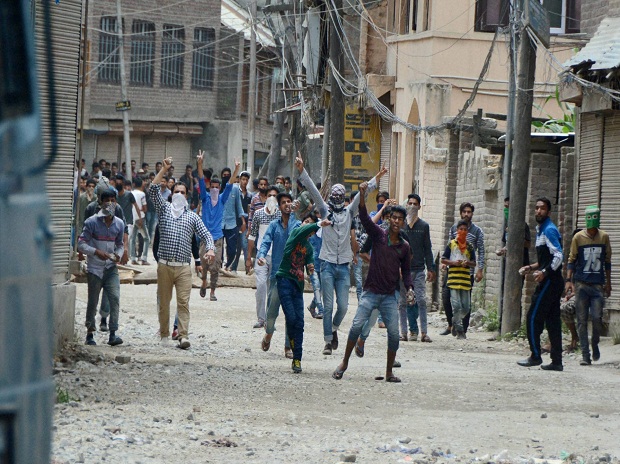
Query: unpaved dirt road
{"type": "Point", "coordinates": [459, 400]}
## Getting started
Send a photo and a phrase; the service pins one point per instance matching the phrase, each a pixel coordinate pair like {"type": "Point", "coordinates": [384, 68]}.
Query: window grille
{"type": "Point", "coordinates": [142, 53]}
{"type": "Point", "coordinates": [203, 58]}
{"type": "Point", "coordinates": [109, 70]}
{"type": "Point", "coordinates": [172, 54]}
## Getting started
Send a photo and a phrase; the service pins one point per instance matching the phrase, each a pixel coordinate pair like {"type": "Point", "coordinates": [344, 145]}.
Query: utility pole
{"type": "Point", "coordinates": [325, 151]}
{"type": "Point", "coordinates": [252, 90]}
{"type": "Point", "coordinates": [510, 118]}
{"type": "Point", "coordinates": [336, 158]}
{"type": "Point", "coordinates": [121, 61]}
{"type": "Point", "coordinates": [513, 283]}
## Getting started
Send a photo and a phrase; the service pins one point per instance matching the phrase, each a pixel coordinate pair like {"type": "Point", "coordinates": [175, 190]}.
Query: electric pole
{"type": "Point", "coordinates": [510, 121]}
{"type": "Point", "coordinates": [513, 283]}
{"type": "Point", "coordinates": [252, 90]}
{"type": "Point", "coordinates": [336, 130]}
{"type": "Point", "coordinates": [121, 62]}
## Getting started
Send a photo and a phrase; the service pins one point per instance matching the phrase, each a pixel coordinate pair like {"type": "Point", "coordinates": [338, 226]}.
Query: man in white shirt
{"type": "Point", "coordinates": [139, 223]}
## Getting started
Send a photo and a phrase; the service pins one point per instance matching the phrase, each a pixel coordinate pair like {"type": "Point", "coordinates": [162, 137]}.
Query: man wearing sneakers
{"type": "Point", "coordinates": [102, 241]}
{"type": "Point", "coordinates": [177, 225]}
{"type": "Point", "coordinates": [589, 265]}
{"type": "Point", "coordinates": [336, 251]}
{"type": "Point", "coordinates": [545, 308]}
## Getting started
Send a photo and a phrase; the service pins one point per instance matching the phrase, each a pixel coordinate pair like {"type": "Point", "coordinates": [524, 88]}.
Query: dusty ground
{"type": "Point", "coordinates": [459, 400]}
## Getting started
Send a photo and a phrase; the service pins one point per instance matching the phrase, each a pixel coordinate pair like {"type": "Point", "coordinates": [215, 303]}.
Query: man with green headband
{"type": "Point", "coordinates": [589, 266]}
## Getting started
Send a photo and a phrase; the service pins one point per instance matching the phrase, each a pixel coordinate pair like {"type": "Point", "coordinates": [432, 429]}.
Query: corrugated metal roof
{"type": "Point", "coordinates": [238, 19]}
{"type": "Point", "coordinates": [603, 49]}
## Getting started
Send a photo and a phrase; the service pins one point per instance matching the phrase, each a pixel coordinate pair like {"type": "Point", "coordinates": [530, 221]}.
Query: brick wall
{"type": "Point", "coordinates": [593, 12]}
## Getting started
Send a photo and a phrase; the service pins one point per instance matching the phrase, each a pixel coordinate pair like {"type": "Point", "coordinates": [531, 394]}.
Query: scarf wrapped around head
{"type": "Point", "coordinates": [336, 198]}
{"type": "Point", "coordinates": [179, 205]}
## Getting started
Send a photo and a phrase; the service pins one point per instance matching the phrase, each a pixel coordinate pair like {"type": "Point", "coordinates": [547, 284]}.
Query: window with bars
{"type": "Point", "coordinates": [142, 53]}
{"type": "Point", "coordinates": [203, 58]}
{"type": "Point", "coordinates": [109, 70]}
{"type": "Point", "coordinates": [172, 53]}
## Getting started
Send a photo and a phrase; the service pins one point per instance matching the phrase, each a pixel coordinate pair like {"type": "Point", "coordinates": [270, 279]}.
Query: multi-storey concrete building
{"type": "Point", "coordinates": [186, 72]}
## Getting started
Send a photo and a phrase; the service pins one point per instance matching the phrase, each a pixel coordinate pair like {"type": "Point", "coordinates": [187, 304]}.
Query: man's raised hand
{"type": "Point", "coordinates": [299, 163]}
{"type": "Point", "coordinates": [167, 163]}
{"type": "Point", "coordinates": [200, 157]}
{"type": "Point", "coordinates": [362, 188]}
{"type": "Point", "coordinates": [382, 172]}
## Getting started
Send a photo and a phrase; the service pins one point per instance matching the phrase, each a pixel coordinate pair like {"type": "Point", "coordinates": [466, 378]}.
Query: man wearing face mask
{"type": "Point", "coordinates": [260, 224]}
{"type": "Point", "coordinates": [213, 203]}
{"type": "Point", "coordinates": [589, 265]}
{"type": "Point", "coordinates": [475, 236]}
{"type": "Point", "coordinates": [102, 241]}
{"type": "Point", "coordinates": [177, 226]}
{"type": "Point", "coordinates": [336, 251]}
{"type": "Point", "coordinates": [418, 235]}
{"type": "Point", "coordinates": [259, 199]}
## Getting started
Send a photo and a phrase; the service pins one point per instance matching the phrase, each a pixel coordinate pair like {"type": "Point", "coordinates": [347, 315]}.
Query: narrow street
{"type": "Point", "coordinates": [225, 400]}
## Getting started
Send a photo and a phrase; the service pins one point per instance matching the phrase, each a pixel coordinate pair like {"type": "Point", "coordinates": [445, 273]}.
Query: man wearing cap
{"type": "Point", "coordinates": [589, 266]}
{"type": "Point", "coordinates": [336, 251]}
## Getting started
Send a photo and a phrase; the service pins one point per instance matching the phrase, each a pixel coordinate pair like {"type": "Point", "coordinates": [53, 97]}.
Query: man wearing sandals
{"type": "Point", "coordinates": [390, 259]}
{"type": "Point", "coordinates": [212, 215]}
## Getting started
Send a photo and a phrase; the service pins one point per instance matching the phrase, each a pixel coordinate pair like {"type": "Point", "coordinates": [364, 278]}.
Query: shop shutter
{"type": "Point", "coordinates": [590, 154]}
{"type": "Point", "coordinates": [135, 148]}
{"type": "Point", "coordinates": [610, 198]}
{"type": "Point", "coordinates": [108, 148]}
{"type": "Point", "coordinates": [154, 150]}
{"type": "Point", "coordinates": [386, 152]}
{"type": "Point", "coordinates": [179, 148]}
{"type": "Point", "coordinates": [66, 29]}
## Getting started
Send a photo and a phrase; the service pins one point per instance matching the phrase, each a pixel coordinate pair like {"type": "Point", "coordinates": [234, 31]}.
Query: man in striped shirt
{"type": "Point", "coordinates": [177, 225]}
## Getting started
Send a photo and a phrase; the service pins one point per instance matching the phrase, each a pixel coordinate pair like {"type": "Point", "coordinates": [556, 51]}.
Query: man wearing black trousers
{"type": "Point", "coordinates": [545, 308]}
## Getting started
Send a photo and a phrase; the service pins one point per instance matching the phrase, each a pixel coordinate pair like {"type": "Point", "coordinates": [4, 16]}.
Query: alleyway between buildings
{"type": "Point", "coordinates": [225, 400]}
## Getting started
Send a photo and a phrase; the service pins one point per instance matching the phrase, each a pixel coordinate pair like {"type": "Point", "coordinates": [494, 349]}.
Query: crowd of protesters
{"type": "Point", "coordinates": [284, 238]}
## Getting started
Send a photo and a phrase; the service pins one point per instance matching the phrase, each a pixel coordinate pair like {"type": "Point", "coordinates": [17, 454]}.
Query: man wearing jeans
{"type": "Point", "coordinates": [418, 235]}
{"type": "Point", "coordinates": [336, 251]}
{"type": "Point", "coordinates": [102, 241]}
{"type": "Point", "coordinates": [390, 259]}
{"type": "Point", "coordinates": [139, 224]}
{"type": "Point", "coordinates": [233, 210]}
{"type": "Point", "coordinates": [275, 239]}
{"type": "Point", "coordinates": [589, 264]}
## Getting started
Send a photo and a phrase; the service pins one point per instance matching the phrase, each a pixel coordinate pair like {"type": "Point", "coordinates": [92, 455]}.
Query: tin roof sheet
{"type": "Point", "coordinates": [603, 50]}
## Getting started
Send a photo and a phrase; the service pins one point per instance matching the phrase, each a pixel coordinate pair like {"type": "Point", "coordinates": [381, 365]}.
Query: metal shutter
{"type": "Point", "coordinates": [180, 149]}
{"type": "Point", "coordinates": [610, 199]}
{"type": "Point", "coordinates": [66, 29]}
{"type": "Point", "coordinates": [154, 150]}
{"type": "Point", "coordinates": [135, 148]}
{"type": "Point", "coordinates": [590, 154]}
{"type": "Point", "coordinates": [108, 148]}
{"type": "Point", "coordinates": [386, 152]}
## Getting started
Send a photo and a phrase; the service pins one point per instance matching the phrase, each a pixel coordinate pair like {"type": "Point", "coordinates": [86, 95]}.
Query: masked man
{"type": "Point", "coordinates": [336, 251]}
{"type": "Point", "coordinates": [589, 266]}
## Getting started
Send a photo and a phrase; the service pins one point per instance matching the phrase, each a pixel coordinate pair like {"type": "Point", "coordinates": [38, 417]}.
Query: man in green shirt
{"type": "Point", "coordinates": [298, 254]}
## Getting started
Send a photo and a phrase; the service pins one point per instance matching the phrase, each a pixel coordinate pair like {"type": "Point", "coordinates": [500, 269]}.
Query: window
{"type": "Point", "coordinates": [109, 70]}
{"type": "Point", "coordinates": [564, 15]}
{"type": "Point", "coordinates": [142, 53]}
{"type": "Point", "coordinates": [172, 53]}
{"type": "Point", "coordinates": [203, 58]}
{"type": "Point", "coordinates": [491, 14]}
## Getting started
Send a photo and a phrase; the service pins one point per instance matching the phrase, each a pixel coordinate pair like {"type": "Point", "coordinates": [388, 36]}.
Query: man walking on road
{"type": "Point", "coordinates": [545, 308]}
{"type": "Point", "coordinates": [589, 265]}
{"type": "Point", "coordinates": [390, 259]}
{"type": "Point", "coordinates": [102, 241]}
{"type": "Point", "coordinates": [336, 251]}
{"type": "Point", "coordinates": [213, 203]}
{"type": "Point", "coordinates": [418, 235]}
{"type": "Point", "coordinates": [262, 218]}
{"type": "Point", "coordinates": [275, 239]}
{"type": "Point", "coordinates": [177, 225]}
{"type": "Point", "coordinates": [475, 236]}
